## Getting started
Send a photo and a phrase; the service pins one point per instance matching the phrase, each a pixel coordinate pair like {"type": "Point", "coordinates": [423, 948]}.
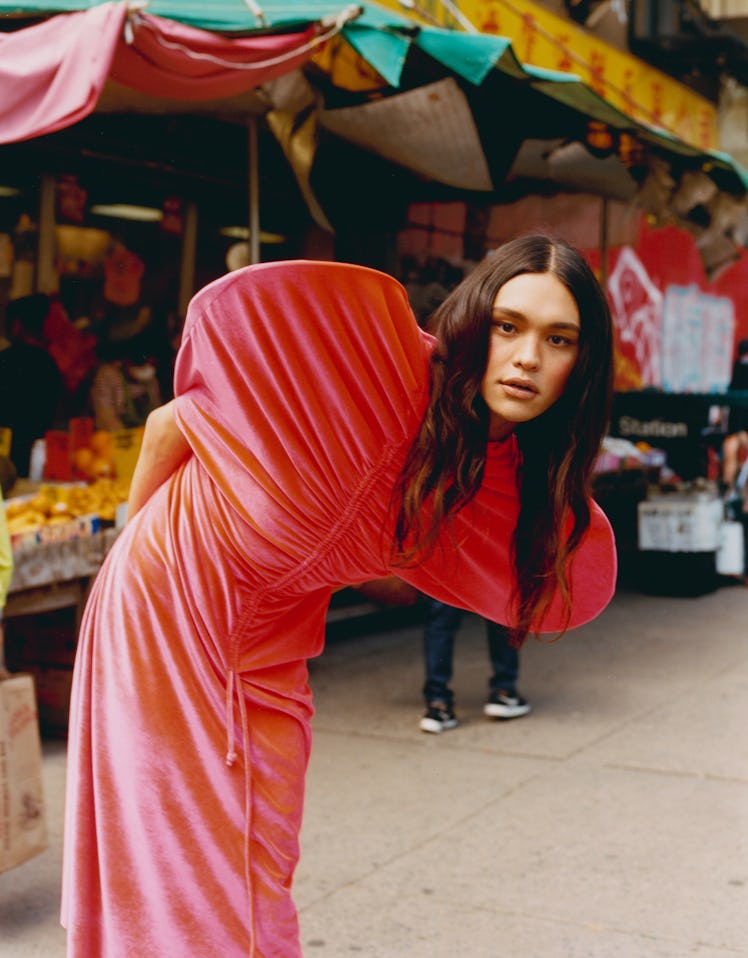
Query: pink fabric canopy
{"type": "Point", "coordinates": [52, 73]}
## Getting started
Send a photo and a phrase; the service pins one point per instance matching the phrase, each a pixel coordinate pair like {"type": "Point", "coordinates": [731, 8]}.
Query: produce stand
{"type": "Point", "coordinates": [680, 536]}
{"type": "Point", "coordinates": [673, 537]}
{"type": "Point", "coordinates": [53, 569]}
{"type": "Point", "coordinates": [55, 575]}
{"type": "Point", "coordinates": [47, 594]}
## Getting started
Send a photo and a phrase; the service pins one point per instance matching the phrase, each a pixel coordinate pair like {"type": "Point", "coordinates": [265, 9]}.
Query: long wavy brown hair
{"type": "Point", "coordinates": [445, 464]}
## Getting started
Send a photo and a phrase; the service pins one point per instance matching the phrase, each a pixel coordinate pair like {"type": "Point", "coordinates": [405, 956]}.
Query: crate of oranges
{"type": "Point", "coordinates": [95, 460]}
{"type": "Point", "coordinates": [85, 454]}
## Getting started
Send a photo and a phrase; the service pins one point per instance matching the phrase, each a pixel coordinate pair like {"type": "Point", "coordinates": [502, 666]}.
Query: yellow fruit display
{"type": "Point", "coordinates": [26, 522]}
{"type": "Point", "coordinates": [56, 504]}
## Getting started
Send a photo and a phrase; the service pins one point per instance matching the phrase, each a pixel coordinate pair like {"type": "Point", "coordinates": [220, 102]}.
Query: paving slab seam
{"type": "Point", "coordinates": [420, 741]}
{"type": "Point", "coordinates": [423, 843]}
{"type": "Point", "coordinates": [675, 773]}
{"type": "Point", "coordinates": [603, 929]}
{"type": "Point", "coordinates": [606, 932]}
{"type": "Point", "coordinates": [616, 729]}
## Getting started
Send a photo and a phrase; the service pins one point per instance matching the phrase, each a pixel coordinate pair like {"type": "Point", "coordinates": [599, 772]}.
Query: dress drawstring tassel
{"type": "Point", "coordinates": [230, 750]}
{"type": "Point", "coordinates": [234, 692]}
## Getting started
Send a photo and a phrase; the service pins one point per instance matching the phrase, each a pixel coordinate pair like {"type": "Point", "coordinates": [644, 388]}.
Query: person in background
{"type": "Point", "coordinates": [7, 479]}
{"type": "Point", "coordinates": [318, 438]}
{"type": "Point", "coordinates": [74, 351]}
{"type": "Point", "coordinates": [503, 702]}
{"type": "Point", "coordinates": [735, 443]}
{"type": "Point", "coordinates": [125, 387]}
{"type": "Point", "coordinates": [31, 387]}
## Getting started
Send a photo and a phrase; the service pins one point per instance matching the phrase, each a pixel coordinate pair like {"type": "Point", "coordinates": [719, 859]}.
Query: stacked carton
{"type": "Point", "coordinates": [23, 824]}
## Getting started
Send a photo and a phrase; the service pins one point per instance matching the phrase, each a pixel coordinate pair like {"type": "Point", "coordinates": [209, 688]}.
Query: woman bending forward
{"type": "Point", "coordinates": [318, 438]}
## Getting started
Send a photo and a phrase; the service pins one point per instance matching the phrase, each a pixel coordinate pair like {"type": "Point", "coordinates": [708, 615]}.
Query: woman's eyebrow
{"type": "Point", "coordinates": [562, 325]}
{"type": "Point", "coordinates": [518, 314]}
{"type": "Point", "coordinates": [507, 311]}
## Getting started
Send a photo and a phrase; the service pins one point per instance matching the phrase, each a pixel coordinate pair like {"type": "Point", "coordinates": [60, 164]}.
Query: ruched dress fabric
{"type": "Point", "coordinates": [299, 388]}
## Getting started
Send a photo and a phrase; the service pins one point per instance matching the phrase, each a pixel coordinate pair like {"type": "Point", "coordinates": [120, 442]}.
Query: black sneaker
{"type": "Point", "coordinates": [506, 704]}
{"type": "Point", "coordinates": [438, 717]}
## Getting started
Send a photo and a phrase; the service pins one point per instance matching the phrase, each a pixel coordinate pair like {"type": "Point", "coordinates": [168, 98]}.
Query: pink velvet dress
{"type": "Point", "coordinates": [299, 388]}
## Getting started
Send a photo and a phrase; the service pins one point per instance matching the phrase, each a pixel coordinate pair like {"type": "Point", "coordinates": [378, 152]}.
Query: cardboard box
{"type": "Point", "coordinates": [23, 822]}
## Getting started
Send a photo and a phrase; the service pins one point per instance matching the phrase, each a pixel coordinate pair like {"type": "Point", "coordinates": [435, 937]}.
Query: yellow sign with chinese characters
{"type": "Point", "coordinates": [542, 39]}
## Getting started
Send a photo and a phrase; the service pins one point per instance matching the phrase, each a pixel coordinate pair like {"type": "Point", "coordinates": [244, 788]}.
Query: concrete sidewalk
{"type": "Point", "coordinates": [612, 822]}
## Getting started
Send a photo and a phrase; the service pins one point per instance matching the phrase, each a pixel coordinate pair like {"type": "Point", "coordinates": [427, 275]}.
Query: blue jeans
{"type": "Point", "coordinates": [438, 640]}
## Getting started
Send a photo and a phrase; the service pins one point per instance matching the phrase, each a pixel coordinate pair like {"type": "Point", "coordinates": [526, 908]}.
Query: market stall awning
{"type": "Point", "coordinates": [162, 52]}
{"type": "Point", "coordinates": [222, 16]}
{"type": "Point", "coordinates": [455, 109]}
{"type": "Point", "coordinates": [53, 72]}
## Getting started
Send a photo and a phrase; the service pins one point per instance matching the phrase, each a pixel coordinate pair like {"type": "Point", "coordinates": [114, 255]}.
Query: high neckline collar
{"type": "Point", "coordinates": [502, 448]}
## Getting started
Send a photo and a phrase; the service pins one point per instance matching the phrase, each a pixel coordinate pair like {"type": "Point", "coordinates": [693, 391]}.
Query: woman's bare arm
{"type": "Point", "coordinates": [164, 449]}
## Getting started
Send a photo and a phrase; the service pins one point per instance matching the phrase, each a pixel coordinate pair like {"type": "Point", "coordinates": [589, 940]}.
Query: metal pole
{"type": "Point", "coordinates": [254, 193]}
{"type": "Point", "coordinates": [46, 275]}
{"type": "Point", "coordinates": [189, 255]}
